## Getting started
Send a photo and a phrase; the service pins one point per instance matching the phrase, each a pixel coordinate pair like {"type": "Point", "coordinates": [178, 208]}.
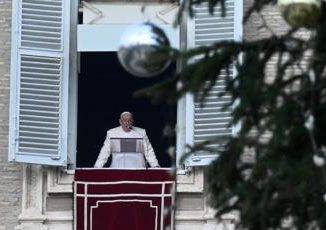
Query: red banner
{"type": "Point", "coordinates": [131, 199]}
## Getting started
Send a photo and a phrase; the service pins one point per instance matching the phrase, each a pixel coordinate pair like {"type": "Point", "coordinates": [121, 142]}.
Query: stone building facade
{"type": "Point", "coordinates": [36, 197]}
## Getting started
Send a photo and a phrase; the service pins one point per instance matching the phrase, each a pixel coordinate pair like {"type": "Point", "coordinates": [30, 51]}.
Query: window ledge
{"type": "Point", "coordinates": [61, 181]}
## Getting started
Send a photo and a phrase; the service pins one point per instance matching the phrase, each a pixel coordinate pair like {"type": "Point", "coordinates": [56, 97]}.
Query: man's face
{"type": "Point", "coordinates": [126, 121]}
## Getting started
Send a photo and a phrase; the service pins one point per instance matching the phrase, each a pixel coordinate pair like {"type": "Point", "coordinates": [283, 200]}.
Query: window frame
{"type": "Point", "coordinates": [190, 179]}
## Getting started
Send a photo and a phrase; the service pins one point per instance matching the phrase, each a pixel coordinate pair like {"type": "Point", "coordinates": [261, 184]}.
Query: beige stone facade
{"type": "Point", "coordinates": [39, 197]}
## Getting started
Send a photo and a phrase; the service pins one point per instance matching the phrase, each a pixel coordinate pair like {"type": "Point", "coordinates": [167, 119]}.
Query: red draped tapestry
{"type": "Point", "coordinates": [128, 199]}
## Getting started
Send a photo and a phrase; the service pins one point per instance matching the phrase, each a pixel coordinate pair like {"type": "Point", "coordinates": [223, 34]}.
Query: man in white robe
{"type": "Point", "coordinates": [128, 145]}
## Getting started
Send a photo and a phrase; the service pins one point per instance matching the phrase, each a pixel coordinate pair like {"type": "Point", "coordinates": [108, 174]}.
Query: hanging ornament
{"type": "Point", "coordinates": [301, 13]}
{"type": "Point", "coordinates": [144, 50]}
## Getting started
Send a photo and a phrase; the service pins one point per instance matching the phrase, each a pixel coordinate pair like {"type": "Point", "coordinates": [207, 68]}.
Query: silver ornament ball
{"type": "Point", "coordinates": [144, 50]}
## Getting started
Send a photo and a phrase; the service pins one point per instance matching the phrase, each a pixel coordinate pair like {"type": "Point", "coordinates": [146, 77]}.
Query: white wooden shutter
{"type": "Point", "coordinates": [209, 121]}
{"type": "Point", "coordinates": [39, 81]}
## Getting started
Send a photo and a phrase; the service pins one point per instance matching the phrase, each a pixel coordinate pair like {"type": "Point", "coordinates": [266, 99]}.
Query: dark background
{"type": "Point", "coordinates": [105, 90]}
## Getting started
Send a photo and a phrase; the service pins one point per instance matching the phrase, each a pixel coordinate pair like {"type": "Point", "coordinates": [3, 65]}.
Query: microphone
{"type": "Point", "coordinates": [130, 127]}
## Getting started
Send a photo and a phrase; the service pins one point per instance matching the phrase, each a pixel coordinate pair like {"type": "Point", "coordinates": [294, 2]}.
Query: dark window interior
{"type": "Point", "coordinates": [105, 90]}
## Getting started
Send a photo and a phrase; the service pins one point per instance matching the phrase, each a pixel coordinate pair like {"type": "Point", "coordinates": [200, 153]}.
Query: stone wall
{"type": "Point", "coordinates": [270, 16]}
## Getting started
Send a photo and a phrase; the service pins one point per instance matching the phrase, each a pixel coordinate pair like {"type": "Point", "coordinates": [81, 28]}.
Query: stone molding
{"type": "Point", "coordinates": [32, 216]}
{"type": "Point", "coordinates": [59, 180]}
{"type": "Point", "coordinates": [190, 180]}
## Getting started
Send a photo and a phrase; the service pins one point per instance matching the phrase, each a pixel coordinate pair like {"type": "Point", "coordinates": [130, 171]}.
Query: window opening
{"type": "Point", "coordinates": [105, 90]}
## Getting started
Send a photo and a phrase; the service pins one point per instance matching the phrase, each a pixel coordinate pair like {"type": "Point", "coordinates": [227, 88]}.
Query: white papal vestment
{"type": "Point", "coordinates": [128, 149]}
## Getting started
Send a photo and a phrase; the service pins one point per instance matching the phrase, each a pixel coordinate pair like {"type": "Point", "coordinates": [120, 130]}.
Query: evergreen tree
{"type": "Point", "coordinates": [283, 185]}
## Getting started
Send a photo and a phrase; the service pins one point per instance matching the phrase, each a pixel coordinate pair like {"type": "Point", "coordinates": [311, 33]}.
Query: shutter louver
{"type": "Point", "coordinates": [39, 105]}
{"type": "Point", "coordinates": [211, 121]}
{"type": "Point", "coordinates": [39, 82]}
{"type": "Point", "coordinates": [210, 118]}
{"type": "Point", "coordinates": [42, 24]}
{"type": "Point", "coordinates": [212, 28]}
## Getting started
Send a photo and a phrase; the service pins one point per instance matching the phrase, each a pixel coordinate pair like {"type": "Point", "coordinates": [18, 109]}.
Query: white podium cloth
{"type": "Point", "coordinates": [128, 160]}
